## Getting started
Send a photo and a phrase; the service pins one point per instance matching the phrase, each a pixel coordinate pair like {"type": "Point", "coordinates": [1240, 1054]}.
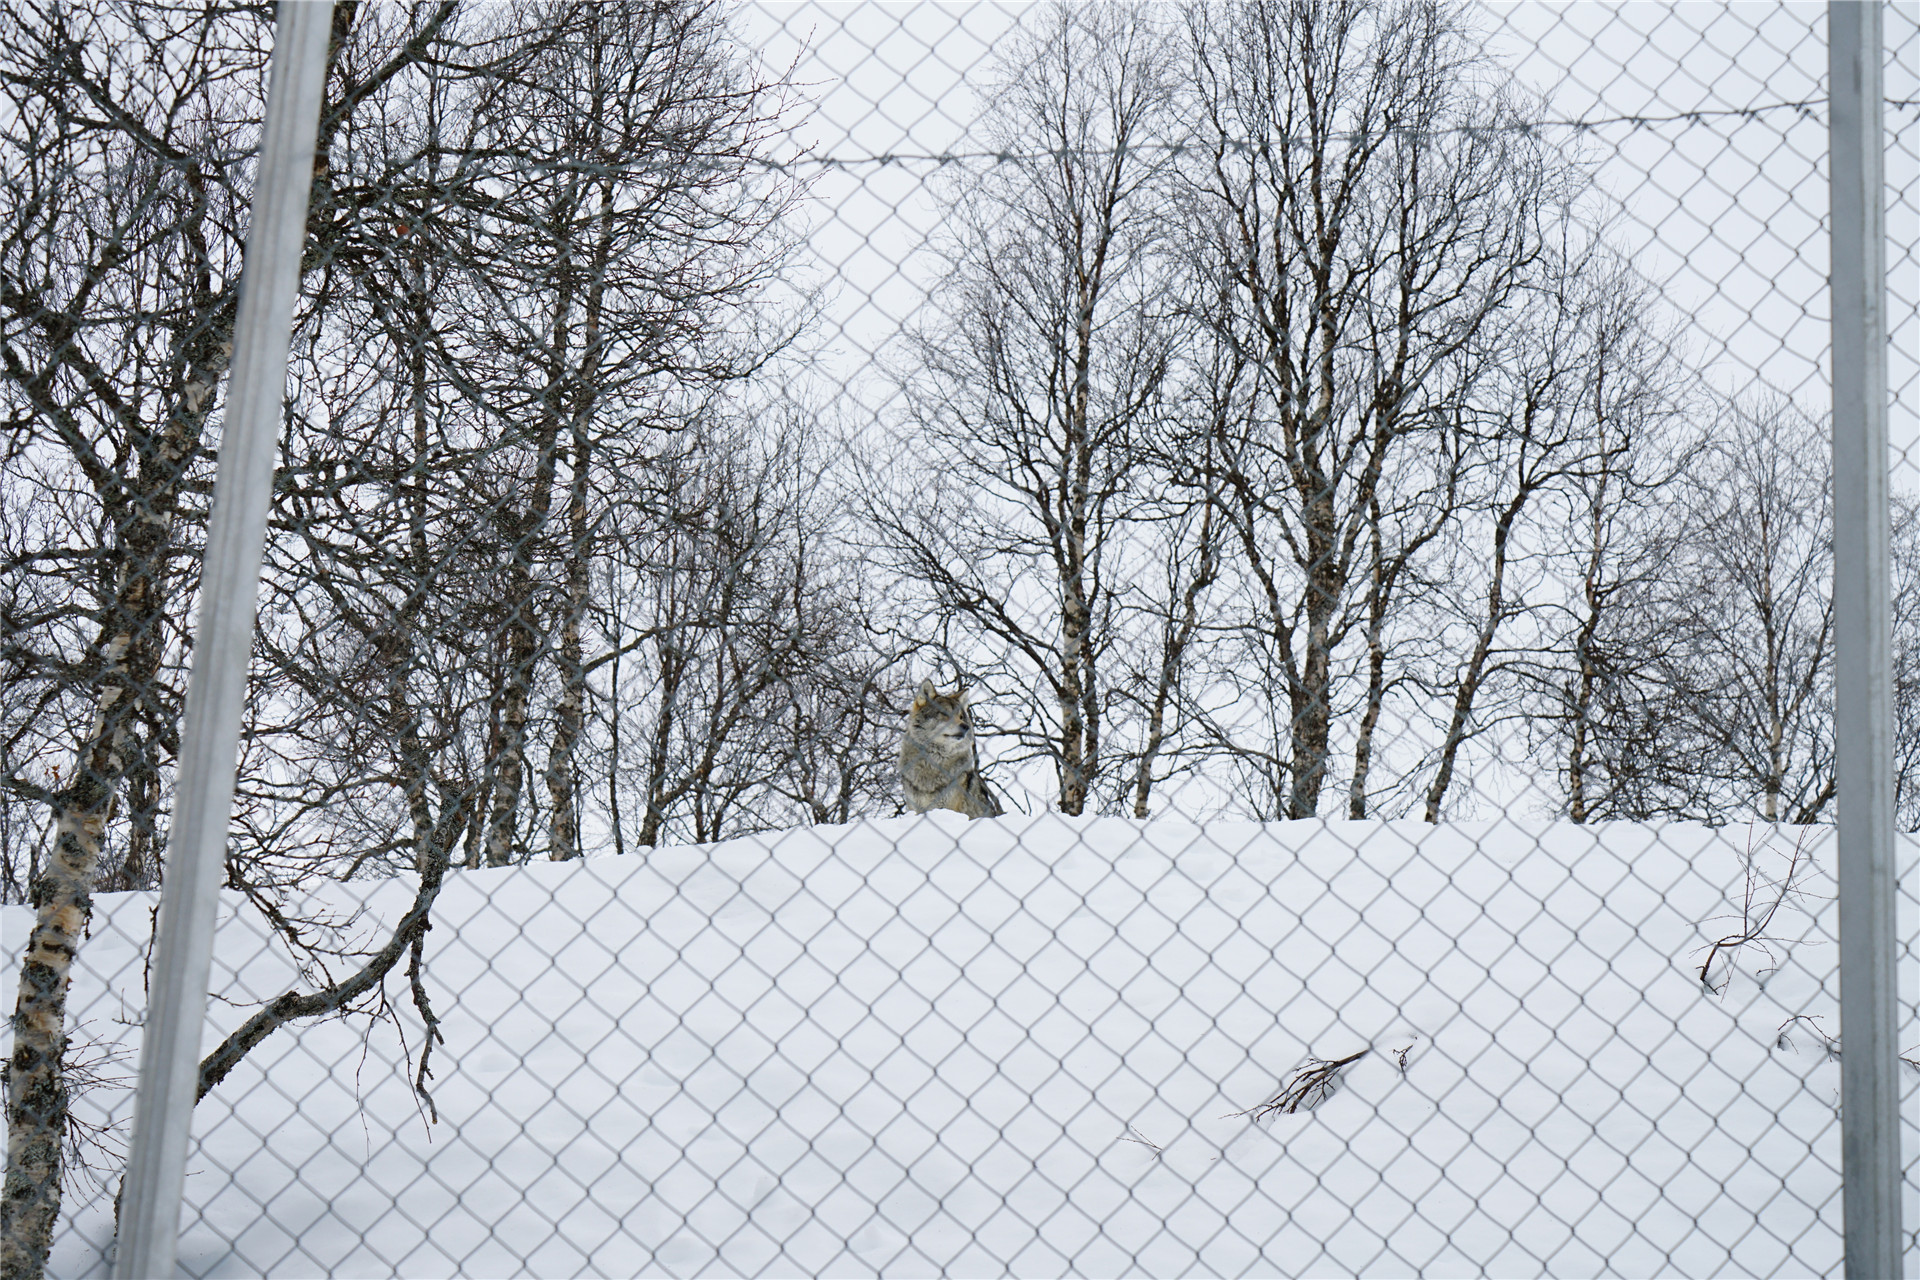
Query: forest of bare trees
{"type": "Point", "coordinates": [1282, 438]}
{"type": "Point", "coordinates": [1284, 424]}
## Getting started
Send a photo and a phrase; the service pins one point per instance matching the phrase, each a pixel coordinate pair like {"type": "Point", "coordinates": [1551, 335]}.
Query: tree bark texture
{"type": "Point", "coordinates": [127, 656]}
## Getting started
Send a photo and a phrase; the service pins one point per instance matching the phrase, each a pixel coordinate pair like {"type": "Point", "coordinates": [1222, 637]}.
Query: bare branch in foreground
{"type": "Point", "coordinates": [1311, 1085]}
{"type": "Point", "coordinates": [1759, 902]}
{"type": "Point", "coordinates": [1828, 1044]}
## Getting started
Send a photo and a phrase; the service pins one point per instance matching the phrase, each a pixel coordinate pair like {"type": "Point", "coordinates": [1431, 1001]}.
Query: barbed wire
{"type": "Point", "coordinates": [1805, 108]}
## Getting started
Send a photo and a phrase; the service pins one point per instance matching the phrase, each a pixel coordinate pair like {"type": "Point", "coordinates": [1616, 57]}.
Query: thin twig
{"type": "Point", "coordinates": [1830, 1045]}
{"type": "Point", "coordinates": [1757, 910]}
{"type": "Point", "coordinates": [1316, 1081]}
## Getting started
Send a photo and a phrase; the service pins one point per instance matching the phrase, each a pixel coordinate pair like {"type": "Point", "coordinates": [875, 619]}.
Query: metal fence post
{"type": "Point", "coordinates": [1869, 1100]}
{"type": "Point", "coordinates": [183, 954]}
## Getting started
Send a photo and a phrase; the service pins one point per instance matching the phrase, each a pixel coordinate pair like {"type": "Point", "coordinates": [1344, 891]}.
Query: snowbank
{"type": "Point", "coordinates": [1028, 1046]}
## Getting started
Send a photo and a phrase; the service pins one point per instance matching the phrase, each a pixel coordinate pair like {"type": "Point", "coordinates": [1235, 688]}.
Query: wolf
{"type": "Point", "coordinates": [939, 765]}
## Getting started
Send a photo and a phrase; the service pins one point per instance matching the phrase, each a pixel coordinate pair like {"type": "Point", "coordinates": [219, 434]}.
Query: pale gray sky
{"type": "Point", "coordinates": [1723, 214]}
{"type": "Point", "coordinates": [1727, 215]}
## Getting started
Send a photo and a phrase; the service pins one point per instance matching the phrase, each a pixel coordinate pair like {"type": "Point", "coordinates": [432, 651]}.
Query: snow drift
{"type": "Point", "coordinates": [1042, 1046]}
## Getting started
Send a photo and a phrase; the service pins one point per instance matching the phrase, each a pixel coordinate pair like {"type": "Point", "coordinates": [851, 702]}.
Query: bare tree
{"type": "Point", "coordinates": [1175, 561]}
{"type": "Point", "coordinates": [413, 478]}
{"type": "Point", "coordinates": [1749, 616]}
{"type": "Point", "coordinates": [582, 246]}
{"type": "Point", "coordinates": [117, 266]}
{"type": "Point", "coordinates": [1369, 206]}
{"type": "Point", "coordinates": [841, 702]}
{"type": "Point", "coordinates": [1575, 390]}
{"type": "Point", "coordinates": [1175, 602]}
{"type": "Point", "coordinates": [614, 240]}
{"type": "Point", "coordinates": [1600, 704]}
{"type": "Point", "coordinates": [1030, 399]}
{"type": "Point", "coordinates": [119, 273]}
{"type": "Point", "coordinates": [1906, 659]}
{"type": "Point", "coordinates": [754, 680]}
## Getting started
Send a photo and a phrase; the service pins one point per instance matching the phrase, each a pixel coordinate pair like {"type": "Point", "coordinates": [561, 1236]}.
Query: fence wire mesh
{"type": "Point", "coordinates": [1364, 463]}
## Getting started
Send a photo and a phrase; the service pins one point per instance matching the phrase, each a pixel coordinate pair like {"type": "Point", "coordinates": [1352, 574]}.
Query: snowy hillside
{"type": "Point", "coordinates": [924, 1047]}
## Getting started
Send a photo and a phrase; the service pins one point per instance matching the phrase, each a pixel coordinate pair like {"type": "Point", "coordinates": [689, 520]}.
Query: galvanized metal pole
{"type": "Point", "coordinates": [229, 589]}
{"type": "Point", "coordinates": [1869, 1098]}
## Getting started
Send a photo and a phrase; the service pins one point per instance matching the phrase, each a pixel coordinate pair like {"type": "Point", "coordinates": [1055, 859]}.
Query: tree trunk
{"type": "Point", "coordinates": [1377, 592]}
{"type": "Point", "coordinates": [509, 765]}
{"type": "Point", "coordinates": [1310, 696]}
{"type": "Point", "coordinates": [1476, 670]}
{"type": "Point", "coordinates": [140, 867]}
{"type": "Point", "coordinates": [1587, 676]}
{"type": "Point", "coordinates": [570, 713]}
{"type": "Point", "coordinates": [673, 665]}
{"type": "Point", "coordinates": [613, 746]}
{"type": "Point", "coordinates": [522, 628]}
{"type": "Point", "coordinates": [563, 785]}
{"type": "Point", "coordinates": [63, 892]}
{"type": "Point", "coordinates": [1173, 656]}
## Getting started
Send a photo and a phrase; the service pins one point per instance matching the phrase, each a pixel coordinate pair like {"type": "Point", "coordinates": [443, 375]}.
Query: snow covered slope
{"type": "Point", "coordinates": [924, 1047]}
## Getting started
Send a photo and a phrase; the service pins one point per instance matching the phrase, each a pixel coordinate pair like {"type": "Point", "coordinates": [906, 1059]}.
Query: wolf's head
{"type": "Point", "coordinates": [941, 721]}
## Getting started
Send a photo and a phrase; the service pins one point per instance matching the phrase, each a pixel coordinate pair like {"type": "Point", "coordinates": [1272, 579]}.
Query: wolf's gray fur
{"type": "Point", "coordinates": [939, 766]}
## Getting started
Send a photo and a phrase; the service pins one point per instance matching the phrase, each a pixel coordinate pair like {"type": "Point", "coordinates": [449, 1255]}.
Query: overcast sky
{"type": "Point", "coordinates": [1724, 214]}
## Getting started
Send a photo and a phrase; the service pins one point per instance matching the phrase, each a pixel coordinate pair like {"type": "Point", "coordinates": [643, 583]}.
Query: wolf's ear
{"type": "Point", "coordinates": [965, 696]}
{"type": "Point", "coordinates": [927, 692]}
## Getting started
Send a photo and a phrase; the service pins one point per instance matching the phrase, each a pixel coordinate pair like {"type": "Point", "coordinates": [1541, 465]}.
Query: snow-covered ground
{"type": "Point", "coordinates": [1028, 1047]}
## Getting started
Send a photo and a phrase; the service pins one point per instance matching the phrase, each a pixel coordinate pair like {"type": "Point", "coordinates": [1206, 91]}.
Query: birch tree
{"type": "Point", "coordinates": [1576, 389]}
{"type": "Point", "coordinates": [1029, 403]}
{"type": "Point", "coordinates": [119, 270]}
{"type": "Point", "coordinates": [623, 246]}
{"type": "Point", "coordinates": [1603, 708]}
{"type": "Point", "coordinates": [1368, 204]}
{"type": "Point", "coordinates": [1749, 619]}
{"type": "Point", "coordinates": [120, 245]}
{"type": "Point", "coordinates": [116, 287]}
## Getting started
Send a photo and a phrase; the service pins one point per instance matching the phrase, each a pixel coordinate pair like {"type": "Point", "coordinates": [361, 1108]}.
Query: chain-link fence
{"type": "Point", "coordinates": [919, 640]}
